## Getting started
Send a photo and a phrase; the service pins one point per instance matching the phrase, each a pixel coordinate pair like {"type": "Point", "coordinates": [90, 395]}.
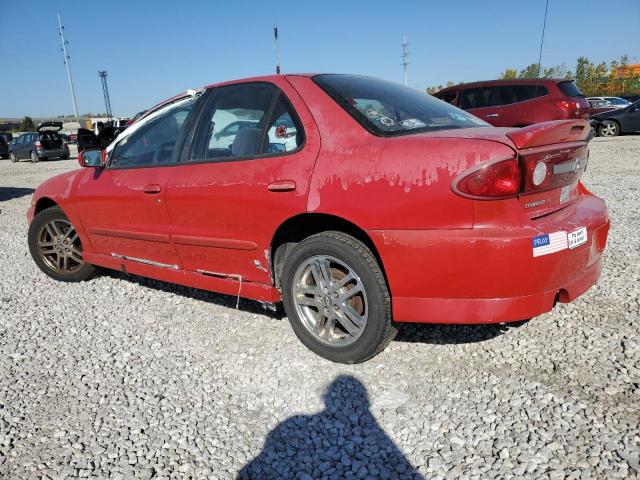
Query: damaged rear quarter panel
{"type": "Point", "coordinates": [394, 183]}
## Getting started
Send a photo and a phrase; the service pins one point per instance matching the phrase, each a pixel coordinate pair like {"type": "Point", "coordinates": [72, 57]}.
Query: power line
{"type": "Point", "coordinates": [405, 54]}
{"type": "Point", "coordinates": [544, 25]}
{"type": "Point", "coordinates": [66, 62]}
{"type": "Point", "coordinates": [105, 91]}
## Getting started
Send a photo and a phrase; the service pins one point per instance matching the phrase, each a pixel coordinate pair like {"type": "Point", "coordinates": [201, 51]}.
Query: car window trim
{"type": "Point", "coordinates": [203, 116]}
{"type": "Point", "coordinates": [180, 141]}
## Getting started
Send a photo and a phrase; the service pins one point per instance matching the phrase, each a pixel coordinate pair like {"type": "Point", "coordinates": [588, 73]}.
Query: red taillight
{"type": "Point", "coordinates": [490, 181]}
{"type": "Point", "coordinates": [38, 145]}
{"type": "Point", "coordinates": [569, 107]}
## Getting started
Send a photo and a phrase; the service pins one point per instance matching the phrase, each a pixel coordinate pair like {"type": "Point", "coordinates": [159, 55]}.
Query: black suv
{"type": "Point", "coordinates": [45, 143]}
{"type": "Point", "coordinates": [5, 140]}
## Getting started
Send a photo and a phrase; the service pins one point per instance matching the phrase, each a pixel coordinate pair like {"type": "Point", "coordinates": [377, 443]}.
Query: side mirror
{"type": "Point", "coordinates": [91, 158]}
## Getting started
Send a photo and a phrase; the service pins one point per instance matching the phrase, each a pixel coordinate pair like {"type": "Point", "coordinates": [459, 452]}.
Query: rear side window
{"type": "Point", "coordinates": [570, 89]}
{"type": "Point", "coordinates": [244, 121]}
{"type": "Point", "coordinates": [386, 108]}
{"type": "Point", "coordinates": [521, 93]}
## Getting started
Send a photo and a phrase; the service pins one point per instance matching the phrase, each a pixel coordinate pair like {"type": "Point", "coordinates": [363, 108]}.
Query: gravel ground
{"type": "Point", "coordinates": [123, 377]}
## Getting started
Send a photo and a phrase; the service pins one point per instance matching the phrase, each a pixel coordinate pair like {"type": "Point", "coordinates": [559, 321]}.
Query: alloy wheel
{"type": "Point", "coordinates": [609, 130]}
{"type": "Point", "coordinates": [59, 246]}
{"type": "Point", "coordinates": [34, 157]}
{"type": "Point", "coordinates": [330, 300]}
{"type": "Point", "coordinates": [13, 157]}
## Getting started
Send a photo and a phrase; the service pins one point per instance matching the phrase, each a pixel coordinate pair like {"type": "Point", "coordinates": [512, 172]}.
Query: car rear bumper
{"type": "Point", "coordinates": [52, 153]}
{"type": "Point", "coordinates": [489, 275]}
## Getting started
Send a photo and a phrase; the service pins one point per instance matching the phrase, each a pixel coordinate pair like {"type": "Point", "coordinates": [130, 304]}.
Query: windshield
{"type": "Point", "coordinates": [387, 108]}
{"type": "Point", "coordinates": [618, 101]}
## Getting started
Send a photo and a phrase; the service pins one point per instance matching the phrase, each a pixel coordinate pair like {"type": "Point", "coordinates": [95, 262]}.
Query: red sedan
{"type": "Point", "coordinates": [355, 201]}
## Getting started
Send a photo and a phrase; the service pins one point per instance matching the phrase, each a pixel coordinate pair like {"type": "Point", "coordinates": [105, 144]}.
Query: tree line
{"type": "Point", "coordinates": [613, 78]}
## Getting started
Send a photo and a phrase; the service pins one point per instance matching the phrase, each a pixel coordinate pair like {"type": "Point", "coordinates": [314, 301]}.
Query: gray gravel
{"type": "Point", "coordinates": [131, 378]}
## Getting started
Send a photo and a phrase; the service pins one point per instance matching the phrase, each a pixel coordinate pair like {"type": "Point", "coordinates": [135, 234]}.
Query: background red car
{"type": "Point", "coordinates": [518, 103]}
{"type": "Point", "coordinates": [379, 205]}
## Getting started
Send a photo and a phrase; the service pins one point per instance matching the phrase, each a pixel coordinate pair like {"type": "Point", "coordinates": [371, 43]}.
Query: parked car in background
{"type": "Point", "coordinates": [615, 122]}
{"type": "Point", "coordinates": [45, 143]}
{"type": "Point", "coordinates": [388, 206]}
{"type": "Point", "coordinates": [4, 147]}
{"type": "Point", "coordinates": [630, 98]}
{"type": "Point", "coordinates": [598, 106]}
{"type": "Point", "coordinates": [616, 102]}
{"type": "Point", "coordinates": [518, 103]}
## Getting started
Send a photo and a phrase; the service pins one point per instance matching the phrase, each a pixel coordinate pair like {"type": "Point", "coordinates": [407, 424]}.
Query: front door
{"type": "Point", "coordinates": [235, 186]}
{"type": "Point", "coordinates": [122, 206]}
{"type": "Point", "coordinates": [632, 121]}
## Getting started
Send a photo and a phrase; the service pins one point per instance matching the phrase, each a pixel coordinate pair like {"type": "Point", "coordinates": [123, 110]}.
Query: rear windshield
{"type": "Point", "coordinates": [49, 136]}
{"type": "Point", "coordinates": [386, 108]}
{"type": "Point", "coordinates": [570, 89]}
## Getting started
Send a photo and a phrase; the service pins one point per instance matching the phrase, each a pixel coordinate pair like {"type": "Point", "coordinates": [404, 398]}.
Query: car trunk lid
{"type": "Point", "coordinates": [49, 127]}
{"type": "Point", "coordinates": [553, 157]}
{"type": "Point", "coordinates": [561, 145]}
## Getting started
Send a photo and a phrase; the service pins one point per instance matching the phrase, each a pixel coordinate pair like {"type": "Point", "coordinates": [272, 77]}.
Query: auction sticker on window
{"type": "Point", "coordinates": [577, 237]}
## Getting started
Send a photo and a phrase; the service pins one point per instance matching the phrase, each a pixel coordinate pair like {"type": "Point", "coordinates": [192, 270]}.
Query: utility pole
{"type": "Point", "coordinates": [105, 91]}
{"type": "Point", "coordinates": [275, 35]}
{"type": "Point", "coordinates": [66, 62]}
{"type": "Point", "coordinates": [544, 26]}
{"type": "Point", "coordinates": [405, 54]}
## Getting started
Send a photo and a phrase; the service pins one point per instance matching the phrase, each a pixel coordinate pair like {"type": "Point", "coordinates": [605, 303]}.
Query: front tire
{"type": "Point", "coordinates": [56, 248]}
{"type": "Point", "coordinates": [609, 128]}
{"type": "Point", "coordinates": [337, 299]}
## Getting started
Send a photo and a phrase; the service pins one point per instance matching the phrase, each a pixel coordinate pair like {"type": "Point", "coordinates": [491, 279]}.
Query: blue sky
{"type": "Point", "coordinates": [154, 49]}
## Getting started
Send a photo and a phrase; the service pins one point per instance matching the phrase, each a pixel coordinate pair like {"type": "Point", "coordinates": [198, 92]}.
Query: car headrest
{"type": "Point", "coordinates": [247, 142]}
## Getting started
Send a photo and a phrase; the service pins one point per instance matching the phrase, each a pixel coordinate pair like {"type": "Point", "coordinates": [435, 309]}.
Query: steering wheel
{"type": "Point", "coordinates": [164, 147]}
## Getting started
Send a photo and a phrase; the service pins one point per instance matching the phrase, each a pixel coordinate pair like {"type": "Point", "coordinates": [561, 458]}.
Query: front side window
{"type": "Point", "coordinates": [244, 121]}
{"type": "Point", "coordinates": [448, 97]}
{"type": "Point", "coordinates": [483, 97]}
{"type": "Point", "coordinates": [387, 108]}
{"type": "Point", "coordinates": [153, 141]}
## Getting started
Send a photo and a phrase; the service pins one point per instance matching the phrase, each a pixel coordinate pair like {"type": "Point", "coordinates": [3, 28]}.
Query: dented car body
{"type": "Point", "coordinates": [466, 222]}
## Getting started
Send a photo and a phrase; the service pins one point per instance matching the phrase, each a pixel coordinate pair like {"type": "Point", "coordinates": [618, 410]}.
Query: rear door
{"type": "Point", "coordinates": [123, 206]}
{"type": "Point", "coordinates": [519, 107]}
{"type": "Point", "coordinates": [226, 200]}
{"type": "Point", "coordinates": [484, 103]}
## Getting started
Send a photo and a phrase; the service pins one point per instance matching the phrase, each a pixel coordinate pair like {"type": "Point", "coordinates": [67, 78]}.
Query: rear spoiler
{"type": "Point", "coordinates": [547, 133]}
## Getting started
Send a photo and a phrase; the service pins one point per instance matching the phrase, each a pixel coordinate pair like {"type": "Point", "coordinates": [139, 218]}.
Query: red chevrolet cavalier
{"type": "Point", "coordinates": [355, 201]}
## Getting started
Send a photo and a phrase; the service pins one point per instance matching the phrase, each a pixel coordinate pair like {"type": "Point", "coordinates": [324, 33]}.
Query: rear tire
{"type": "Point", "coordinates": [609, 128]}
{"type": "Point", "coordinates": [12, 157]}
{"type": "Point", "coordinates": [34, 157]}
{"type": "Point", "coordinates": [324, 312]}
{"type": "Point", "coordinates": [56, 247]}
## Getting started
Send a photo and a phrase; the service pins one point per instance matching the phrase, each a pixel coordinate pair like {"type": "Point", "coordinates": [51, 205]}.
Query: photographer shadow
{"type": "Point", "coordinates": [342, 441]}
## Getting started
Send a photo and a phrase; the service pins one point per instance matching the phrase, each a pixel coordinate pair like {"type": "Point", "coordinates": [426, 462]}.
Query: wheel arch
{"type": "Point", "coordinates": [295, 229]}
{"type": "Point", "coordinates": [43, 203]}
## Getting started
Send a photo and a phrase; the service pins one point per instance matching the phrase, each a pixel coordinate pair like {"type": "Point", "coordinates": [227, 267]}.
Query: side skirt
{"type": "Point", "coordinates": [229, 284]}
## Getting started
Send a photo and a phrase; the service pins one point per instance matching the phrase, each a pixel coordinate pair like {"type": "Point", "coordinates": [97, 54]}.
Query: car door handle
{"type": "Point", "coordinates": [282, 186]}
{"type": "Point", "coordinates": [491, 115]}
{"type": "Point", "coordinates": [151, 188]}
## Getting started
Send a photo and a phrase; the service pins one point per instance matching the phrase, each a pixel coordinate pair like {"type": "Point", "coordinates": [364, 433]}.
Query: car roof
{"type": "Point", "coordinates": [261, 78]}
{"type": "Point", "coordinates": [517, 81]}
